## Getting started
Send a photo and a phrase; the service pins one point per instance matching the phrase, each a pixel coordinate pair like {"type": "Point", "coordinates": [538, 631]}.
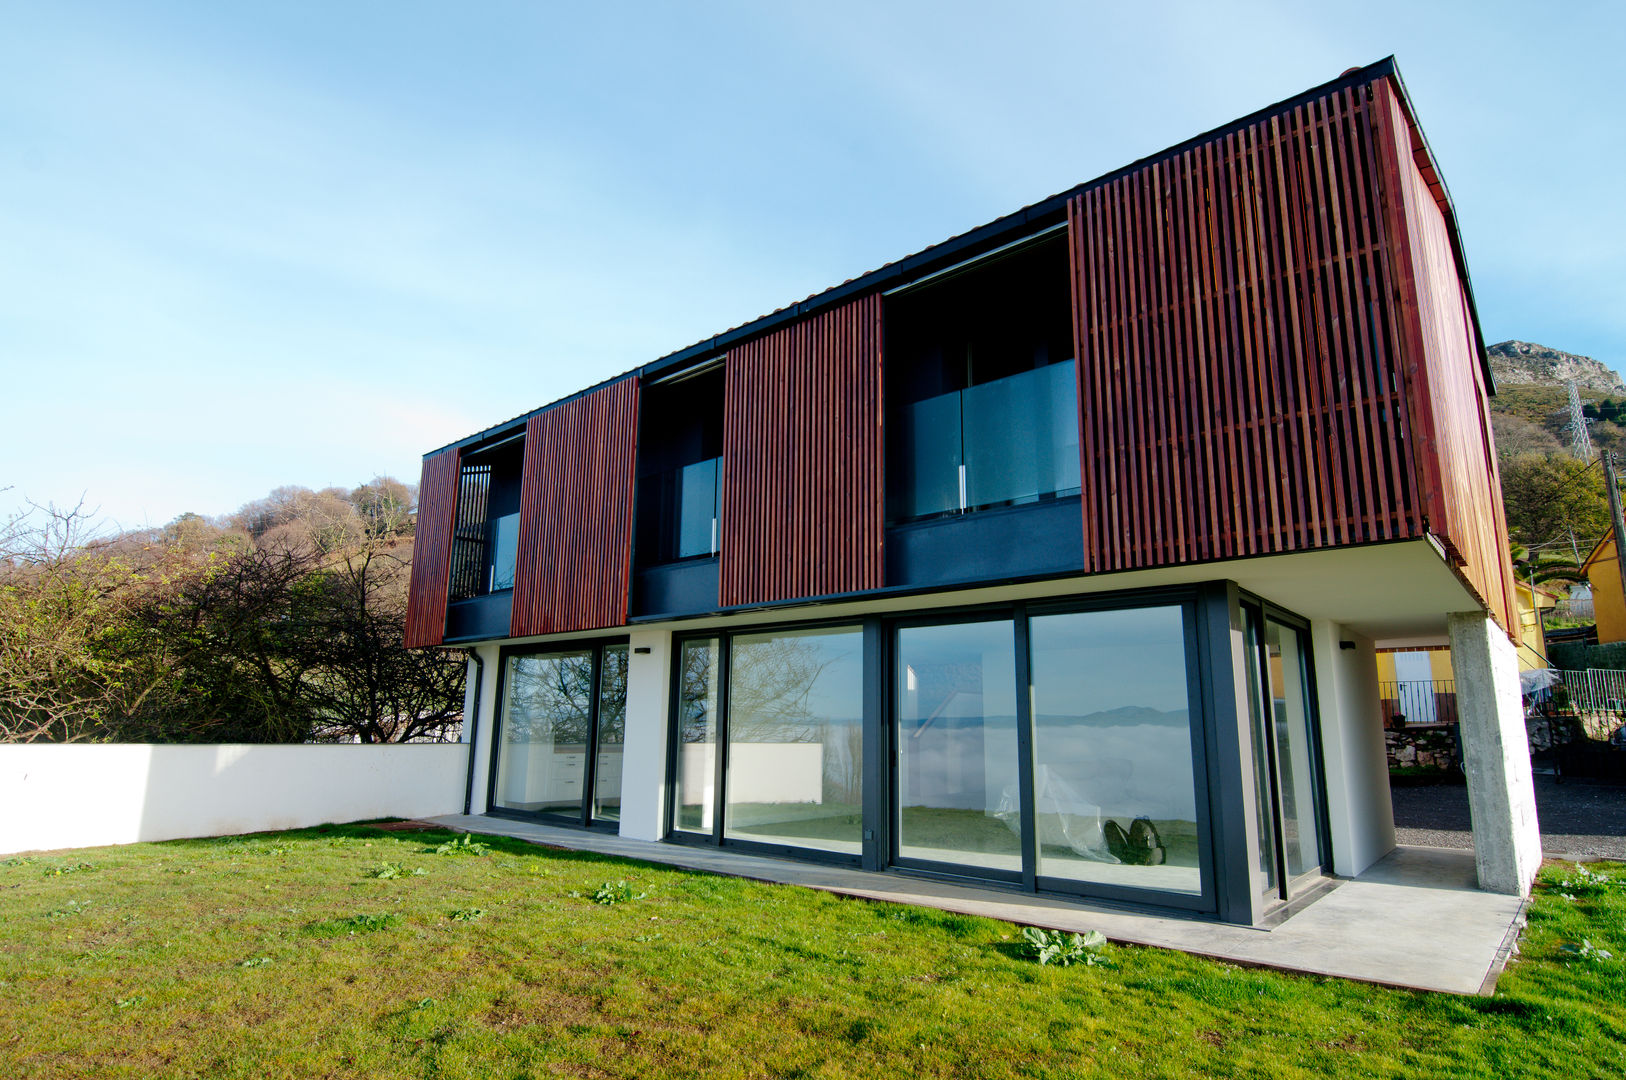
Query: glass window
{"type": "Point", "coordinates": [1301, 832]}
{"type": "Point", "coordinates": [612, 734]}
{"type": "Point", "coordinates": [795, 739]}
{"type": "Point", "coordinates": [695, 791]}
{"type": "Point", "coordinates": [1115, 797]}
{"type": "Point", "coordinates": [547, 714]}
{"type": "Point", "coordinates": [958, 795]}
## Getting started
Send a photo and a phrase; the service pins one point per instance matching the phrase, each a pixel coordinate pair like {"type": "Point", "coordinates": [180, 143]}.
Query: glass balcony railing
{"type": "Point", "coordinates": [1001, 443]}
{"type": "Point", "coordinates": [504, 552]}
{"type": "Point", "coordinates": [678, 513]}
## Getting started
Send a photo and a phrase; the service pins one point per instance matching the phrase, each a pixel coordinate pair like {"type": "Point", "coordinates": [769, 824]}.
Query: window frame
{"type": "Point", "coordinates": [584, 818]}
{"type": "Point", "coordinates": [717, 837]}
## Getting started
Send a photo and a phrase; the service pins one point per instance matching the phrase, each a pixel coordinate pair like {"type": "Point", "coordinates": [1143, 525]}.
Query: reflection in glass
{"type": "Point", "coordinates": [795, 739]}
{"type": "Point", "coordinates": [504, 551]}
{"type": "Point", "coordinates": [958, 794]}
{"type": "Point", "coordinates": [1021, 436]}
{"type": "Point", "coordinates": [612, 734]}
{"type": "Point", "coordinates": [547, 706]}
{"type": "Point", "coordinates": [1265, 883]}
{"type": "Point", "coordinates": [1301, 833]}
{"type": "Point", "coordinates": [1115, 798]}
{"type": "Point", "coordinates": [695, 792]}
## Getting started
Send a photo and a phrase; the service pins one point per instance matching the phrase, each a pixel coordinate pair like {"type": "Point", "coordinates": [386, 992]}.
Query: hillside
{"type": "Point", "coordinates": [1521, 363]}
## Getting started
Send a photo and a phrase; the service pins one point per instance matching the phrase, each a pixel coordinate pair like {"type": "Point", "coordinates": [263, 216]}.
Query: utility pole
{"type": "Point", "coordinates": [1614, 518]}
{"type": "Point", "coordinates": [1580, 437]}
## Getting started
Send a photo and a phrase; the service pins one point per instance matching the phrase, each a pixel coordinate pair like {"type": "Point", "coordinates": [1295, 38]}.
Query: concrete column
{"type": "Point", "coordinates": [483, 727]}
{"type": "Point", "coordinates": [643, 764]}
{"type": "Point", "coordinates": [1360, 814]}
{"type": "Point", "coordinates": [1496, 754]}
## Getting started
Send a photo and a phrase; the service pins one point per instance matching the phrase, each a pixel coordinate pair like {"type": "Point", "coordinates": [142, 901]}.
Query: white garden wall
{"type": "Point", "coordinates": [84, 795]}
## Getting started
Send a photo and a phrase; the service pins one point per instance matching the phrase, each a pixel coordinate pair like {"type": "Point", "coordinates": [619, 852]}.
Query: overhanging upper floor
{"type": "Point", "coordinates": [1256, 343]}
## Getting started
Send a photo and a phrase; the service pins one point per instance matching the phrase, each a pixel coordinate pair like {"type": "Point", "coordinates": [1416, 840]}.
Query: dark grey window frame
{"type": "Point", "coordinates": [584, 819]}
{"type": "Point", "coordinates": [1208, 671]}
{"type": "Point", "coordinates": [1289, 888]}
{"type": "Point", "coordinates": [717, 838]}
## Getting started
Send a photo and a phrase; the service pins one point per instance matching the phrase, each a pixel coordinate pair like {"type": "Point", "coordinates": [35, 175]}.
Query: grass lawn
{"type": "Point", "coordinates": [326, 953]}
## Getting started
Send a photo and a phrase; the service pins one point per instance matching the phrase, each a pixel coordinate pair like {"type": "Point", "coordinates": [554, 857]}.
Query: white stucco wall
{"type": "Point", "coordinates": [480, 732]}
{"type": "Point", "coordinates": [643, 761]}
{"type": "Point", "coordinates": [87, 795]}
{"type": "Point", "coordinates": [1359, 811]}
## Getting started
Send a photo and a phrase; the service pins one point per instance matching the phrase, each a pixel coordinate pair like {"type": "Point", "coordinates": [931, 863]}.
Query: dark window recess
{"type": "Point", "coordinates": [680, 448]}
{"type": "Point", "coordinates": [982, 392]}
{"type": "Point", "coordinates": [485, 536]}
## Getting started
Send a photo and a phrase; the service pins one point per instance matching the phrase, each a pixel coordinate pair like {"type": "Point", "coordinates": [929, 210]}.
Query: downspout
{"type": "Point", "coordinates": [474, 728]}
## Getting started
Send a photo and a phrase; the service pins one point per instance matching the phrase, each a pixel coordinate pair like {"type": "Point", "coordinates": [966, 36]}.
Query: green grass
{"type": "Point", "coordinates": [284, 955]}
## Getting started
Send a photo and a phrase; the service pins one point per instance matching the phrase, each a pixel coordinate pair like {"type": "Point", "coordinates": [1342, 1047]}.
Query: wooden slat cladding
{"type": "Point", "coordinates": [575, 514]}
{"type": "Point", "coordinates": [1239, 365]}
{"type": "Point", "coordinates": [432, 550]}
{"type": "Point", "coordinates": [801, 505]}
{"type": "Point", "coordinates": [1450, 403]}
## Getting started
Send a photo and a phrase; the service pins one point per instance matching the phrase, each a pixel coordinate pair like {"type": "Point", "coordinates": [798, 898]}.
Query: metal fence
{"type": "Point", "coordinates": [1573, 609]}
{"type": "Point", "coordinates": [1418, 701]}
{"type": "Point", "coordinates": [1596, 691]}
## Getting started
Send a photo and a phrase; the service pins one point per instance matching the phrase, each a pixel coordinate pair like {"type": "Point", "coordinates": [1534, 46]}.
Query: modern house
{"type": "Point", "coordinates": [1055, 555]}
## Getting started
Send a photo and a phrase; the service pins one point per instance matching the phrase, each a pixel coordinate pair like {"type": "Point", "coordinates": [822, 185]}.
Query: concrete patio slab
{"type": "Point", "coordinates": [1415, 920]}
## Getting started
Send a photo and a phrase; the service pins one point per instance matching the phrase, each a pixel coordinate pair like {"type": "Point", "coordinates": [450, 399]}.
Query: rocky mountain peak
{"type": "Point", "coordinates": [1523, 363]}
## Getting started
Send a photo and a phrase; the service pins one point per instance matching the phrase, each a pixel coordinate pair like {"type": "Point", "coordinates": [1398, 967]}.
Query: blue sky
{"type": "Point", "coordinates": [244, 245]}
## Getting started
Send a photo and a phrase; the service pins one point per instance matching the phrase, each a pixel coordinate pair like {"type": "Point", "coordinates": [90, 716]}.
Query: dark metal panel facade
{"type": "Point", "coordinates": [432, 549]}
{"type": "Point", "coordinates": [1240, 381]}
{"type": "Point", "coordinates": [801, 510]}
{"type": "Point", "coordinates": [575, 514]}
{"type": "Point", "coordinates": [1449, 399]}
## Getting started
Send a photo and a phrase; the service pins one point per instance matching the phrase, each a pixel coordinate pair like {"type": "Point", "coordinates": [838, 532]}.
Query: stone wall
{"type": "Point", "coordinates": [1422, 746]}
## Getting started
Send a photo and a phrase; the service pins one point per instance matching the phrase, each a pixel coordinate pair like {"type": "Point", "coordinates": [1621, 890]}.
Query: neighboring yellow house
{"type": "Point", "coordinates": [1608, 605]}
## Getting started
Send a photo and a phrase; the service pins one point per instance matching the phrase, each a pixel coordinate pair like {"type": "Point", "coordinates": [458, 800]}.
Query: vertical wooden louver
{"type": "Point", "coordinates": [432, 550]}
{"type": "Point", "coordinates": [575, 513]}
{"type": "Point", "coordinates": [1239, 363]}
{"type": "Point", "coordinates": [1450, 403]}
{"type": "Point", "coordinates": [801, 507]}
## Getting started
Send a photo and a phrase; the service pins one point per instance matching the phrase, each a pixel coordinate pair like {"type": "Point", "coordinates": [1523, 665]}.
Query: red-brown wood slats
{"type": "Point", "coordinates": [1450, 403]}
{"type": "Point", "coordinates": [1239, 366]}
{"type": "Point", "coordinates": [801, 504]}
{"type": "Point", "coordinates": [575, 514]}
{"type": "Point", "coordinates": [432, 550]}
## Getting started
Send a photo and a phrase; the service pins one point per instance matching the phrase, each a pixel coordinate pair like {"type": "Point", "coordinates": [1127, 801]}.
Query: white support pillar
{"type": "Point", "coordinates": [1360, 813]}
{"type": "Point", "coordinates": [1496, 754]}
{"type": "Point", "coordinates": [484, 724]}
{"type": "Point", "coordinates": [643, 764]}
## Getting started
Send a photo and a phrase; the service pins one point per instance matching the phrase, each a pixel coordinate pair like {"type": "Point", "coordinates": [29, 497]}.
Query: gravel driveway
{"type": "Point", "coordinates": [1577, 817]}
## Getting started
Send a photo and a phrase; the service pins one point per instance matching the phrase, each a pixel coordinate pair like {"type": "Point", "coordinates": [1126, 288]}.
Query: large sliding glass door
{"type": "Point", "coordinates": [561, 731]}
{"type": "Point", "coordinates": [1286, 758]}
{"type": "Point", "coordinates": [1114, 775]}
{"type": "Point", "coordinates": [1057, 747]}
{"type": "Point", "coordinates": [768, 746]}
{"type": "Point", "coordinates": [958, 789]}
